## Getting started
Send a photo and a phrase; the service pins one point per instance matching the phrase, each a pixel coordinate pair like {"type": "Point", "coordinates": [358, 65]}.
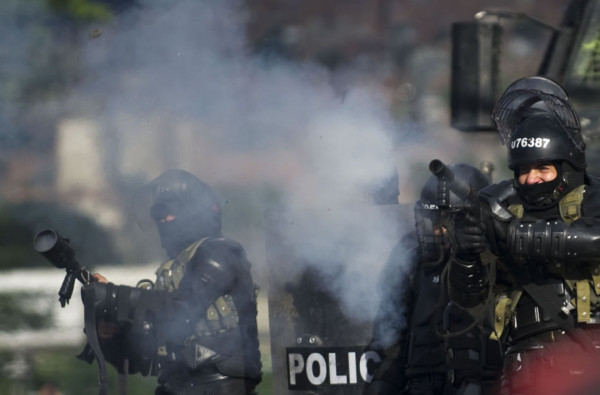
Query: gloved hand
{"type": "Point", "coordinates": [469, 236]}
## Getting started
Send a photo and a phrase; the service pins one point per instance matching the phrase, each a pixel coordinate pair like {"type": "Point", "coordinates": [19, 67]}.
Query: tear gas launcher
{"type": "Point", "coordinates": [131, 350]}
{"type": "Point", "coordinates": [56, 250]}
{"type": "Point", "coordinates": [447, 183]}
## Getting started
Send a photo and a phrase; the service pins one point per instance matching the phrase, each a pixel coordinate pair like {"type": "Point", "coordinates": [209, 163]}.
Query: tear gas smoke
{"type": "Point", "coordinates": [175, 86]}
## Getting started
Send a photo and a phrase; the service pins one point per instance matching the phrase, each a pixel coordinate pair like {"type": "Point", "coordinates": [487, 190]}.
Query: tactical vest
{"type": "Point", "coordinates": [220, 317]}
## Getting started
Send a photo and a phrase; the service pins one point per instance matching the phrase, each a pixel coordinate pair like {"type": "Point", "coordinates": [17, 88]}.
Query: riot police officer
{"type": "Point", "coordinates": [543, 225]}
{"type": "Point", "coordinates": [410, 329]}
{"type": "Point", "coordinates": [211, 344]}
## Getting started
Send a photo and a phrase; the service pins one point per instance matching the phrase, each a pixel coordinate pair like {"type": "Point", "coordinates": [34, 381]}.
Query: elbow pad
{"type": "Point", "coordinates": [468, 282]}
{"type": "Point", "coordinates": [554, 241]}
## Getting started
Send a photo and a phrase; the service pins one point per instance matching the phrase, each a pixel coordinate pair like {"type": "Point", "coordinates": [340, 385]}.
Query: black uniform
{"type": "Point", "coordinates": [219, 349]}
{"type": "Point", "coordinates": [546, 286]}
{"type": "Point", "coordinates": [200, 316]}
{"type": "Point", "coordinates": [410, 328]}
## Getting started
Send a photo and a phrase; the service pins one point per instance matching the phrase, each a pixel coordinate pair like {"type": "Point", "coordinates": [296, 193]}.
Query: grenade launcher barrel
{"type": "Point", "coordinates": [56, 250]}
{"type": "Point", "coordinates": [447, 183]}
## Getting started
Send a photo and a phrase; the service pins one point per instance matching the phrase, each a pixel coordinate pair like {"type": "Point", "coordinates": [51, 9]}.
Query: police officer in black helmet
{"type": "Point", "coordinates": [543, 225]}
{"type": "Point", "coordinates": [409, 329]}
{"type": "Point", "coordinates": [211, 347]}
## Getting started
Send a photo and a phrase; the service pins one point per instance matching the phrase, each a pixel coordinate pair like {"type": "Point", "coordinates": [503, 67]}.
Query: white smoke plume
{"type": "Point", "coordinates": [175, 86]}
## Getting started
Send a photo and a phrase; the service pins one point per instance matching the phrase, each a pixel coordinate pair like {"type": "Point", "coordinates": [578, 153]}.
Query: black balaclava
{"type": "Point", "coordinates": [194, 205]}
{"type": "Point", "coordinates": [547, 194]}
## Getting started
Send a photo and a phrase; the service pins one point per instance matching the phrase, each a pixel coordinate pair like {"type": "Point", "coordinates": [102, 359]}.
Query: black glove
{"type": "Point", "coordinates": [469, 236]}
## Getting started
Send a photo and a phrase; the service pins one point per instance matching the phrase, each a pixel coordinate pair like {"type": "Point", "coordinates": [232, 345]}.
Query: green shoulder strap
{"type": "Point", "coordinates": [176, 267]}
{"type": "Point", "coordinates": [570, 205]}
{"type": "Point", "coordinates": [186, 255]}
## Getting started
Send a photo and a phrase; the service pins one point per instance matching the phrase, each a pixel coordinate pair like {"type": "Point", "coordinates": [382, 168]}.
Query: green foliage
{"type": "Point", "coordinates": [24, 311]}
{"type": "Point", "coordinates": [266, 385]}
{"type": "Point", "coordinates": [82, 10]}
{"type": "Point", "coordinates": [5, 381]}
{"type": "Point", "coordinates": [15, 244]}
{"type": "Point", "coordinates": [41, 62]}
{"type": "Point", "coordinates": [73, 376]}
{"type": "Point", "coordinates": [60, 369]}
{"type": "Point", "coordinates": [19, 224]}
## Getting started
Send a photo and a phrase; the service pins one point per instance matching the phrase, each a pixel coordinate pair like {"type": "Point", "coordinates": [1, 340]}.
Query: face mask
{"type": "Point", "coordinates": [542, 194]}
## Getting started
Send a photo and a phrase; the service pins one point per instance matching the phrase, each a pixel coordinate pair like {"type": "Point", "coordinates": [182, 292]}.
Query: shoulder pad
{"type": "Point", "coordinates": [218, 262]}
{"type": "Point", "coordinates": [222, 250]}
{"type": "Point", "coordinates": [494, 195]}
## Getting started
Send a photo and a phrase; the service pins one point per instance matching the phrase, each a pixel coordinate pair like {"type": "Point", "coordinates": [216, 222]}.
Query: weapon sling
{"type": "Point", "coordinates": [89, 317]}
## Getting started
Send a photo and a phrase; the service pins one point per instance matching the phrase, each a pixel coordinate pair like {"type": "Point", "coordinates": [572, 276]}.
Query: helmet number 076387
{"type": "Point", "coordinates": [529, 142]}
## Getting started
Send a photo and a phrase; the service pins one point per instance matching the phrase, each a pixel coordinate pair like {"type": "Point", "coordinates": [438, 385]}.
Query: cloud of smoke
{"type": "Point", "coordinates": [175, 86]}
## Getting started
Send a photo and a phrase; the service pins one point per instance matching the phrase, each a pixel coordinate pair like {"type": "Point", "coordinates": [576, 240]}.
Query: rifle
{"type": "Point", "coordinates": [56, 249]}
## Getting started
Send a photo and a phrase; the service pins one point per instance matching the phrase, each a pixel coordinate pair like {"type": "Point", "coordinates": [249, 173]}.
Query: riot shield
{"type": "Point", "coordinates": [322, 287]}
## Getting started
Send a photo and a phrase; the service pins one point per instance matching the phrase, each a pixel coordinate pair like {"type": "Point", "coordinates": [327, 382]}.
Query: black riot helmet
{"type": "Point", "coordinates": [184, 209]}
{"type": "Point", "coordinates": [542, 138]}
{"type": "Point", "coordinates": [429, 212]}
{"type": "Point", "coordinates": [536, 121]}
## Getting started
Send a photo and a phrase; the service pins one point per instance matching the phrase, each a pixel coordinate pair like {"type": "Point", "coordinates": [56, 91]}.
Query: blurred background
{"type": "Point", "coordinates": [296, 103]}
